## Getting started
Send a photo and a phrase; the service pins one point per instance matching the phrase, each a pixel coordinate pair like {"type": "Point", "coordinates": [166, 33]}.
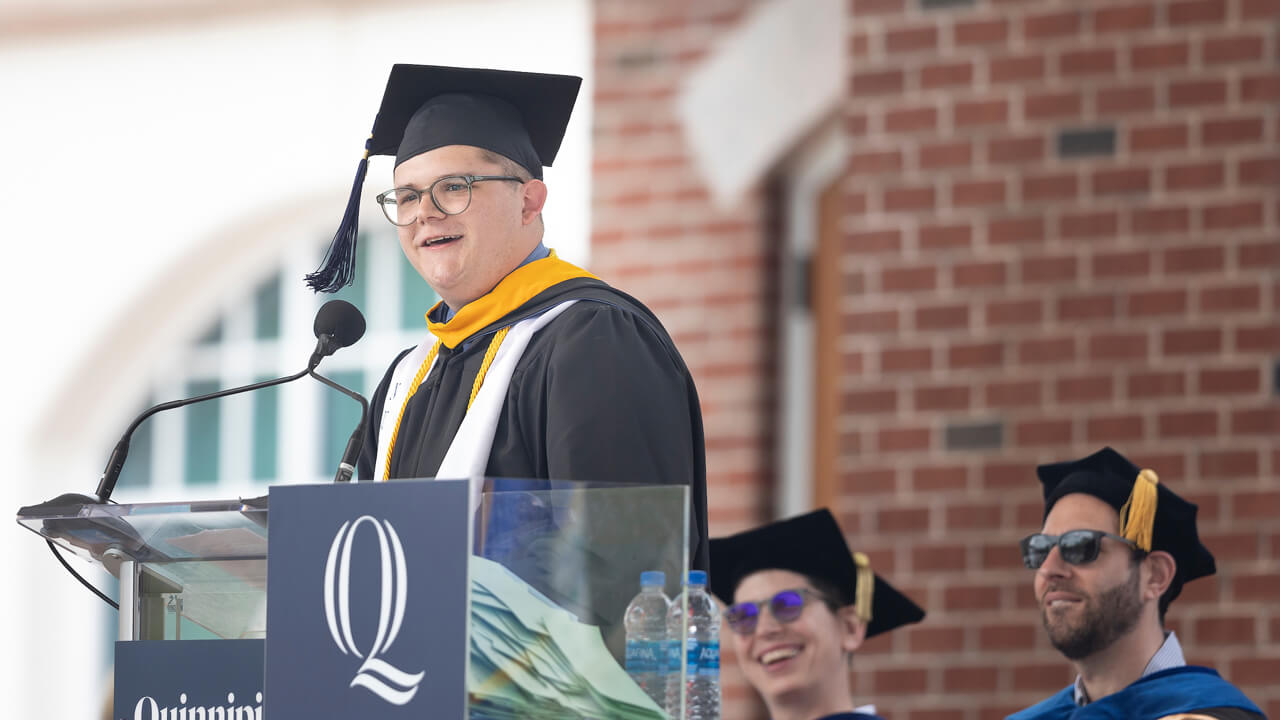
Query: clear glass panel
{"type": "Point", "coordinates": [554, 567]}
{"type": "Point", "coordinates": [212, 554]}
{"type": "Point", "coordinates": [204, 599]}
{"type": "Point", "coordinates": [550, 642]}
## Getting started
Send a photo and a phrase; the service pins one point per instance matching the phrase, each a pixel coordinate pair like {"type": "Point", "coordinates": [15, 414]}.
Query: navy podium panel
{"type": "Point", "coordinates": [367, 600]}
{"type": "Point", "coordinates": [177, 678]}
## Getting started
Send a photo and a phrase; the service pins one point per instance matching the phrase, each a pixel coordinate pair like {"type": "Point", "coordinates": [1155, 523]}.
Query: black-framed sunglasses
{"type": "Point", "coordinates": [1077, 547]}
{"type": "Point", "coordinates": [451, 195]}
{"type": "Point", "coordinates": [785, 606]}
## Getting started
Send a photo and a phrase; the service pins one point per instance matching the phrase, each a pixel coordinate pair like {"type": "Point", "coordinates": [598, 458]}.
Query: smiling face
{"type": "Point", "coordinates": [464, 256]}
{"type": "Point", "coordinates": [1086, 608]}
{"type": "Point", "coordinates": [800, 664]}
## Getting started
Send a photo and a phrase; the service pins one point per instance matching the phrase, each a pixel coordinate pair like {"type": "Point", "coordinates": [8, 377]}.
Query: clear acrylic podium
{"type": "Point", "coordinates": [198, 571]}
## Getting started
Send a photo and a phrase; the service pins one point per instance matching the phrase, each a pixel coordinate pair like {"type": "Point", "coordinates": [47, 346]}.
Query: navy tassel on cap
{"type": "Point", "coordinates": [339, 267]}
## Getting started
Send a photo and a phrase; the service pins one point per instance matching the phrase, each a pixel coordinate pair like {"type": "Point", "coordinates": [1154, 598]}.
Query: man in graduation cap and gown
{"type": "Point", "coordinates": [1115, 550]}
{"type": "Point", "coordinates": [799, 604]}
{"type": "Point", "coordinates": [534, 368]}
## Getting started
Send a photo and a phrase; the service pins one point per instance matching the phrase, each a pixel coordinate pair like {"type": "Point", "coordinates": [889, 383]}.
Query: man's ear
{"type": "Point", "coordinates": [852, 630]}
{"type": "Point", "coordinates": [1161, 567]}
{"type": "Point", "coordinates": [534, 197]}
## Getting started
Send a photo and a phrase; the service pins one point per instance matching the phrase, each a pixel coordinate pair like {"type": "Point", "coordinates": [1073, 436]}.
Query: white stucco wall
{"type": "Point", "coordinates": [766, 84]}
{"type": "Point", "coordinates": [150, 173]}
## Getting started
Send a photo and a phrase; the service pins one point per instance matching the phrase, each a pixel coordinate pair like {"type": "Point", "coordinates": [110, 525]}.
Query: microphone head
{"type": "Point", "coordinates": [341, 321]}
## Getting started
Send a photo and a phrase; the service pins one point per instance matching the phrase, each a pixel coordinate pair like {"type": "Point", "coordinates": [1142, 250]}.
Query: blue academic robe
{"type": "Point", "coordinates": [1183, 689]}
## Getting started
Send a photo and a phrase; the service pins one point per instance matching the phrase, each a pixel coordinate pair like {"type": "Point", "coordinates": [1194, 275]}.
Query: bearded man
{"type": "Point", "coordinates": [1115, 550]}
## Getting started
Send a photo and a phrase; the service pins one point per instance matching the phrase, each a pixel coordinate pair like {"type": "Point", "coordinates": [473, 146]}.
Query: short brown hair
{"type": "Point", "coordinates": [509, 166]}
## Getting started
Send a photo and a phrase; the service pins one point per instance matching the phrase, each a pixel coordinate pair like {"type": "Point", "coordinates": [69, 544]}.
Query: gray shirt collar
{"type": "Point", "coordinates": [1168, 656]}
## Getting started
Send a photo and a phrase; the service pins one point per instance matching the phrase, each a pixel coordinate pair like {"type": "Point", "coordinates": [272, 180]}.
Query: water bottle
{"type": "Point", "coordinates": [646, 626]}
{"type": "Point", "coordinates": [701, 654]}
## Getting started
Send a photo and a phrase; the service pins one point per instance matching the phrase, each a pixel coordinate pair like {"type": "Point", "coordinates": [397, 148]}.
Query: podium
{"type": "Point", "coordinates": [483, 598]}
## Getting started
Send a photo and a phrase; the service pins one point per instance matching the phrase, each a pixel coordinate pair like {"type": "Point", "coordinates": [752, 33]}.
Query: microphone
{"type": "Point", "coordinates": [338, 324]}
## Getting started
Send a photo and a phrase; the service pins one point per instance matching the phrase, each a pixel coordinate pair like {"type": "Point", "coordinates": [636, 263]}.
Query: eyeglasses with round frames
{"type": "Point", "coordinates": [451, 195]}
{"type": "Point", "coordinates": [1077, 547]}
{"type": "Point", "coordinates": [785, 606]}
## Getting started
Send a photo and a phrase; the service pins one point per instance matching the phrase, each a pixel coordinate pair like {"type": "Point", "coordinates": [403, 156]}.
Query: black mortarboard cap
{"type": "Point", "coordinates": [519, 115]}
{"type": "Point", "coordinates": [812, 545]}
{"type": "Point", "coordinates": [1151, 514]}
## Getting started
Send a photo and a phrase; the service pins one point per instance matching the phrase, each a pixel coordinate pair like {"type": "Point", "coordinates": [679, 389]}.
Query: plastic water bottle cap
{"type": "Point", "coordinates": [651, 578]}
{"type": "Point", "coordinates": [697, 577]}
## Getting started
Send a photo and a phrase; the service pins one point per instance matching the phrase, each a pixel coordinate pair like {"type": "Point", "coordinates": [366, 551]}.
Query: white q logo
{"type": "Point", "coordinates": [379, 677]}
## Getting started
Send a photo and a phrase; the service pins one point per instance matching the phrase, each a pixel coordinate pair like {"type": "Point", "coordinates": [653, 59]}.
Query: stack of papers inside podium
{"type": "Point", "coordinates": [532, 659]}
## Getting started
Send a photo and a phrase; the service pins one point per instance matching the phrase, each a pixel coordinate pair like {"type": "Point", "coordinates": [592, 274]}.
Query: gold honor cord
{"type": "Point", "coordinates": [489, 354]}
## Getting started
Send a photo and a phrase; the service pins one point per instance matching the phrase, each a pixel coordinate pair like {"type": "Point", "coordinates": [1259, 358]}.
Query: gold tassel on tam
{"type": "Point", "coordinates": [1138, 515]}
{"type": "Point", "coordinates": [866, 586]}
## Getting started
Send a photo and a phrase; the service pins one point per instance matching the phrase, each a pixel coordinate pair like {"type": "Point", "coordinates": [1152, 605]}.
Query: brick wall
{"type": "Point", "coordinates": [1083, 204]}
{"type": "Point", "coordinates": [706, 272]}
{"type": "Point", "coordinates": [1063, 231]}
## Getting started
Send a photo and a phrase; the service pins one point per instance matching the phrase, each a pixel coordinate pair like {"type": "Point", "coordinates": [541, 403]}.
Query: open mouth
{"type": "Point", "coordinates": [778, 655]}
{"type": "Point", "coordinates": [1058, 599]}
{"type": "Point", "coordinates": [442, 240]}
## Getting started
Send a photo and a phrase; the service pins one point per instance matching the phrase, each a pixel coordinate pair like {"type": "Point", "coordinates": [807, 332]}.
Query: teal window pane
{"type": "Point", "coordinates": [202, 435]}
{"type": "Point", "coordinates": [356, 292]}
{"type": "Point", "coordinates": [266, 309]}
{"type": "Point", "coordinates": [266, 417]}
{"type": "Point", "coordinates": [417, 297]}
{"type": "Point", "coordinates": [341, 414]}
{"type": "Point", "coordinates": [137, 467]}
{"type": "Point", "coordinates": [212, 335]}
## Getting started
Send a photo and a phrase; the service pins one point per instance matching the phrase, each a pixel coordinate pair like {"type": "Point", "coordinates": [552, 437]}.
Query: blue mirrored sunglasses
{"type": "Point", "coordinates": [786, 607]}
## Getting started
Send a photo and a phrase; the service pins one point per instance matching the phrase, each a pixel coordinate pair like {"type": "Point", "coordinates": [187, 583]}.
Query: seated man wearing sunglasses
{"type": "Point", "coordinates": [1115, 550]}
{"type": "Point", "coordinates": [799, 604]}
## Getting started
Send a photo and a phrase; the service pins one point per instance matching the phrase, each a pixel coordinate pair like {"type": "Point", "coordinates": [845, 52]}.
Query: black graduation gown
{"type": "Point", "coordinates": [600, 394]}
